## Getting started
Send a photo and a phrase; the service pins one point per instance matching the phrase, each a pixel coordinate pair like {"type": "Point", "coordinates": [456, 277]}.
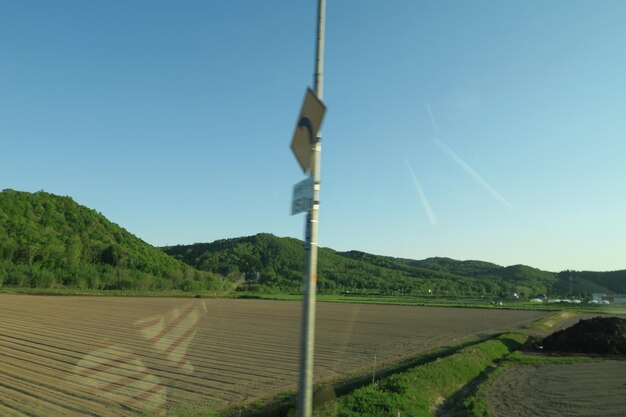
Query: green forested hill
{"type": "Point", "coordinates": [268, 263]}
{"type": "Point", "coordinates": [468, 268]}
{"type": "Point", "coordinates": [590, 282]}
{"type": "Point", "coordinates": [48, 241]}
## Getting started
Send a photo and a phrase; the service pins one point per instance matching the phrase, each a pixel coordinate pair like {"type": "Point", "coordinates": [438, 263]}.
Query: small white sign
{"type": "Point", "coordinates": [302, 196]}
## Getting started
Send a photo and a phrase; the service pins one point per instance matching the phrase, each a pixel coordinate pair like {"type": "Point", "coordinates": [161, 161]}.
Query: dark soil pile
{"type": "Point", "coordinates": [599, 335]}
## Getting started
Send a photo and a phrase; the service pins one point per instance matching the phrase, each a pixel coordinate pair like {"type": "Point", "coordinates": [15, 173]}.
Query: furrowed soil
{"type": "Point", "coordinates": [94, 356]}
{"type": "Point", "coordinates": [581, 389]}
{"type": "Point", "coordinates": [576, 389]}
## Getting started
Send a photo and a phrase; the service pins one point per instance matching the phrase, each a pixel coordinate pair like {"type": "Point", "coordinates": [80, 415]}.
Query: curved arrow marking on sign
{"type": "Point", "coordinates": [305, 123]}
{"type": "Point", "coordinates": [308, 123]}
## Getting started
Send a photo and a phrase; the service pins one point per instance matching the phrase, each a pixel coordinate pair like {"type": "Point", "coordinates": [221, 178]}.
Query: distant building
{"type": "Point", "coordinates": [619, 299]}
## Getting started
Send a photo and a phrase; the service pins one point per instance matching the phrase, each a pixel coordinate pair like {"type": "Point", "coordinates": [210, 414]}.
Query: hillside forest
{"type": "Point", "coordinates": [50, 241]}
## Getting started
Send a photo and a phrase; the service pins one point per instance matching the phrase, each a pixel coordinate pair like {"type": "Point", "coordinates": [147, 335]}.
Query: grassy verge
{"type": "Point", "coordinates": [283, 405]}
{"type": "Point", "coordinates": [421, 390]}
{"type": "Point", "coordinates": [548, 323]}
{"type": "Point", "coordinates": [464, 302]}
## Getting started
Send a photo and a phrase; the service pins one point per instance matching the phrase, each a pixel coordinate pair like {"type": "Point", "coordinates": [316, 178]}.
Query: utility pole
{"type": "Point", "coordinates": [305, 393]}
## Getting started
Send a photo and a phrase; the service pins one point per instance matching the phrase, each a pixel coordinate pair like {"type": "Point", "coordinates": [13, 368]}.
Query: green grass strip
{"type": "Point", "coordinates": [419, 391]}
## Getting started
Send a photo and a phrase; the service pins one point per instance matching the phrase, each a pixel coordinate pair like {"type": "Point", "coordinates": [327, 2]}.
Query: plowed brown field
{"type": "Point", "coordinates": [581, 389]}
{"type": "Point", "coordinates": [103, 356]}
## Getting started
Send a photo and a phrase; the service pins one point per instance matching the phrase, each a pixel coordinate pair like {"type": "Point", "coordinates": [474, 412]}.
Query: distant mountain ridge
{"type": "Point", "coordinates": [269, 263]}
{"type": "Point", "coordinates": [454, 266]}
{"type": "Point", "coordinates": [48, 241]}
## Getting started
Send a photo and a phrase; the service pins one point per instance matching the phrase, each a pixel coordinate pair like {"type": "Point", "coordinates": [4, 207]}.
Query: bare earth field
{"type": "Point", "coordinates": [102, 356]}
{"type": "Point", "coordinates": [582, 389]}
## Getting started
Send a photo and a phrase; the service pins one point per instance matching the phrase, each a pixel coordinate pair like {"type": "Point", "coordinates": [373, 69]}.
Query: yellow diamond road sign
{"type": "Point", "coordinates": [307, 127]}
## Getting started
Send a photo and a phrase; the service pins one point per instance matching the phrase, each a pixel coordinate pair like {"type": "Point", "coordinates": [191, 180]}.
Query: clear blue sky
{"type": "Point", "coordinates": [472, 130]}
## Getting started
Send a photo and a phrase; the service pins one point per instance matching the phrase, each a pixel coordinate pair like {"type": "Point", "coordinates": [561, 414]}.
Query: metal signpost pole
{"type": "Point", "coordinates": [305, 394]}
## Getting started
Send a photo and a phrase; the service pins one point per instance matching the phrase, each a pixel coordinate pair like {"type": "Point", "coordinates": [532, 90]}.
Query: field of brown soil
{"type": "Point", "coordinates": [103, 356]}
{"type": "Point", "coordinates": [582, 389]}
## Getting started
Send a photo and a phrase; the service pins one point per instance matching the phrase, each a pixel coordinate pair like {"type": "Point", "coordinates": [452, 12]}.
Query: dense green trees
{"type": "Point", "coordinates": [578, 283]}
{"type": "Point", "coordinates": [261, 262]}
{"type": "Point", "coordinates": [47, 241]}
{"type": "Point", "coordinates": [267, 263]}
